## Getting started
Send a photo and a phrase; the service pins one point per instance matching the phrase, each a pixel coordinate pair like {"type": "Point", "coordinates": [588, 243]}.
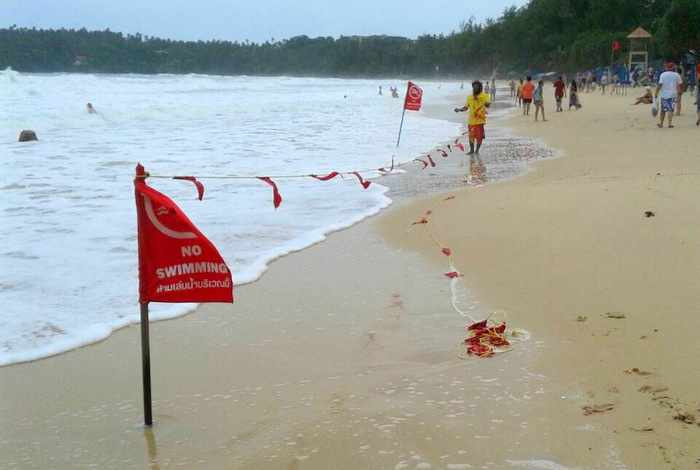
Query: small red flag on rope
{"type": "Point", "coordinates": [447, 252]}
{"type": "Point", "coordinates": [365, 184]}
{"type": "Point", "coordinates": [414, 97]}
{"type": "Point", "coordinates": [197, 184]}
{"type": "Point", "coordinates": [615, 46]}
{"type": "Point", "coordinates": [327, 177]}
{"type": "Point", "coordinates": [452, 275]}
{"type": "Point", "coordinates": [177, 263]}
{"type": "Point", "coordinates": [460, 146]}
{"type": "Point", "coordinates": [276, 197]}
{"type": "Point", "coordinates": [443, 153]}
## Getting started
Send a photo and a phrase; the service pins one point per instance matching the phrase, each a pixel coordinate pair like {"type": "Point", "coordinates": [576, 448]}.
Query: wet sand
{"type": "Point", "coordinates": [347, 355]}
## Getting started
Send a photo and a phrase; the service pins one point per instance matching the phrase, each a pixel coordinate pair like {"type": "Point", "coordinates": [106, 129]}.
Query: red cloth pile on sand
{"type": "Point", "coordinates": [482, 340]}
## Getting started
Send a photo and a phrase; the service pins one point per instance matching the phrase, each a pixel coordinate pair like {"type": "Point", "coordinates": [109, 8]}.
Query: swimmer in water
{"type": "Point", "coordinates": [91, 109]}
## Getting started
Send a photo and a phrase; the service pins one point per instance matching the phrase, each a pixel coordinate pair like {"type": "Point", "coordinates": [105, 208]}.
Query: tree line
{"type": "Point", "coordinates": [565, 35]}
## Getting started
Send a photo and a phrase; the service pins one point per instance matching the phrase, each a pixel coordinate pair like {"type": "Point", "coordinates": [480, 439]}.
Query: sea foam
{"type": "Point", "coordinates": [68, 259]}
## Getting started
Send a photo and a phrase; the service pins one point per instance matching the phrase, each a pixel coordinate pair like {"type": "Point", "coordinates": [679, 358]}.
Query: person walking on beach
{"type": "Point", "coordinates": [528, 89]}
{"type": "Point", "coordinates": [538, 98]}
{"type": "Point", "coordinates": [679, 100]}
{"type": "Point", "coordinates": [519, 94]}
{"type": "Point", "coordinates": [493, 89]}
{"type": "Point", "coordinates": [667, 90]}
{"type": "Point", "coordinates": [560, 92]}
{"type": "Point", "coordinates": [512, 88]}
{"type": "Point", "coordinates": [477, 105]}
{"type": "Point", "coordinates": [573, 96]}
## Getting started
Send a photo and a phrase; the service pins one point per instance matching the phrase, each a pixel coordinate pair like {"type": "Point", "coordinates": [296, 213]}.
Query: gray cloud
{"type": "Point", "coordinates": [255, 20]}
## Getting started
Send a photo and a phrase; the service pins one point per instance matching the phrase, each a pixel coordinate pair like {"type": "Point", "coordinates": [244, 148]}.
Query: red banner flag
{"type": "Point", "coordinates": [176, 262]}
{"type": "Point", "coordinates": [414, 97]}
{"type": "Point", "coordinates": [615, 46]}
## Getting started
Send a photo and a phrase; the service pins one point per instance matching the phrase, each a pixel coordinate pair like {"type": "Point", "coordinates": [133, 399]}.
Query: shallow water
{"type": "Point", "coordinates": [69, 261]}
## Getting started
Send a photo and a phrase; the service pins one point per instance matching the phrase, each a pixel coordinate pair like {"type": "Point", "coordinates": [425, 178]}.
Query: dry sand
{"type": "Point", "coordinates": [346, 355]}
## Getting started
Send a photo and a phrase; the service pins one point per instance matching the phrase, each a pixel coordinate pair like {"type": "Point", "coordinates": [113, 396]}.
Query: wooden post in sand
{"type": "Point", "coordinates": [146, 366]}
{"type": "Point", "coordinates": [398, 141]}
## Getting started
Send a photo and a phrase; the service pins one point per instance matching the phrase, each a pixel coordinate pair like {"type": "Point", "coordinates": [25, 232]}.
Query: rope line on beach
{"type": "Point", "coordinates": [486, 337]}
{"type": "Point", "coordinates": [383, 169]}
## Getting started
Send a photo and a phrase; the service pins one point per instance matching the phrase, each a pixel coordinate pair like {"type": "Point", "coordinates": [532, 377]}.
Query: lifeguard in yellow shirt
{"type": "Point", "coordinates": [477, 105]}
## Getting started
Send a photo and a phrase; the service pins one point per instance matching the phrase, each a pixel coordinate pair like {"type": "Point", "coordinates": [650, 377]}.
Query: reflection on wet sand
{"type": "Point", "coordinates": [152, 449]}
{"type": "Point", "coordinates": [477, 171]}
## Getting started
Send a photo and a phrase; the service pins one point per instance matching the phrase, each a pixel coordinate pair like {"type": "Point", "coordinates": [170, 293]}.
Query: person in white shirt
{"type": "Point", "coordinates": [667, 89]}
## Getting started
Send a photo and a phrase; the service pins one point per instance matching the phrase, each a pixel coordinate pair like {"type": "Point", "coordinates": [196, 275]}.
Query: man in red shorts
{"type": "Point", "coordinates": [528, 91]}
{"type": "Point", "coordinates": [559, 93]}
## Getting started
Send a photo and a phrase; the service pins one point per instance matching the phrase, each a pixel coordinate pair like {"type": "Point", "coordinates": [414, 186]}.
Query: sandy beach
{"type": "Point", "coordinates": [567, 251]}
{"type": "Point", "coordinates": [348, 354]}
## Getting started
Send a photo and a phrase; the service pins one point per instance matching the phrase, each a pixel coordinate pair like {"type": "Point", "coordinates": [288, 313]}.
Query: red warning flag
{"type": "Point", "coordinates": [177, 263]}
{"type": "Point", "coordinates": [615, 46]}
{"type": "Point", "coordinates": [414, 97]}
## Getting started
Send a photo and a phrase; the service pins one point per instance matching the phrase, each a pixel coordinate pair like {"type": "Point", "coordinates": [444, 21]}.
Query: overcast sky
{"type": "Point", "coordinates": [255, 20]}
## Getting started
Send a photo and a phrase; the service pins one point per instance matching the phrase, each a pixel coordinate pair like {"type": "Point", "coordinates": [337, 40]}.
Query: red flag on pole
{"type": "Point", "coordinates": [177, 263]}
{"type": "Point", "coordinates": [615, 46]}
{"type": "Point", "coordinates": [414, 97]}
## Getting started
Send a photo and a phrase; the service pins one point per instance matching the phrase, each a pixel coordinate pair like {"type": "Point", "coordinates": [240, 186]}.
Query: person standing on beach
{"type": "Point", "coordinates": [477, 105]}
{"type": "Point", "coordinates": [512, 88]}
{"type": "Point", "coordinates": [560, 92]}
{"type": "Point", "coordinates": [667, 89]}
{"type": "Point", "coordinates": [528, 89]}
{"type": "Point", "coordinates": [380, 90]}
{"type": "Point", "coordinates": [603, 83]}
{"type": "Point", "coordinates": [681, 90]}
{"type": "Point", "coordinates": [493, 89]}
{"type": "Point", "coordinates": [519, 94]}
{"type": "Point", "coordinates": [538, 98]}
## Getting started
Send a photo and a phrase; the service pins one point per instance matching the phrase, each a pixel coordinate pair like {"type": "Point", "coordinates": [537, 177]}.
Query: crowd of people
{"type": "Point", "coordinates": [666, 101]}
{"type": "Point", "coordinates": [671, 84]}
{"type": "Point", "coordinates": [525, 93]}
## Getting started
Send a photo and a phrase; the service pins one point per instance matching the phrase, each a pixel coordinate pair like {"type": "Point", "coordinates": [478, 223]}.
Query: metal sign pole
{"type": "Point", "coordinates": [146, 365]}
{"type": "Point", "coordinates": [398, 141]}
